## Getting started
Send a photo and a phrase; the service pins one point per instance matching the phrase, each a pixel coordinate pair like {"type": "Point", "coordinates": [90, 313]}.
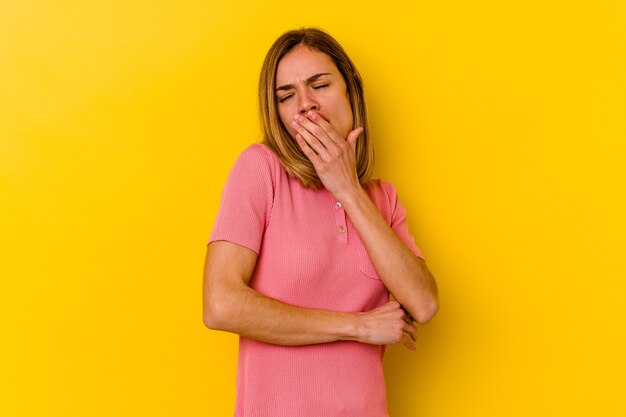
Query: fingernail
{"type": "Point", "coordinates": [298, 117]}
{"type": "Point", "coordinates": [294, 124]}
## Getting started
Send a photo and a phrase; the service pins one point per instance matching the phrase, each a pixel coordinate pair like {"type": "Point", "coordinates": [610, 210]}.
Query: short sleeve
{"type": "Point", "coordinates": [246, 201]}
{"type": "Point", "coordinates": [398, 219]}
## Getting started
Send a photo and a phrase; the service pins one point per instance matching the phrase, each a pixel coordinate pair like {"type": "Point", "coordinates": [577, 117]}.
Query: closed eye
{"type": "Point", "coordinates": [317, 87]}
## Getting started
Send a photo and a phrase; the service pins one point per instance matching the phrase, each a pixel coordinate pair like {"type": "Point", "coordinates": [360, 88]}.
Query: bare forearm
{"type": "Point", "coordinates": [253, 315]}
{"type": "Point", "coordinates": [229, 304]}
{"type": "Point", "coordinates": [404, 274]}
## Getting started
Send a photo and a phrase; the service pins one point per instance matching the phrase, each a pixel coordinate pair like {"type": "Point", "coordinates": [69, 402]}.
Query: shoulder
{"type": "Point", "coordinates": [383, 195]}
{"type": "Point", "coordinates": [257, 157]}
{"type": "Point", "coordinates": [381, 189]}
{"type": "Point", "coordinates": [257, 153]}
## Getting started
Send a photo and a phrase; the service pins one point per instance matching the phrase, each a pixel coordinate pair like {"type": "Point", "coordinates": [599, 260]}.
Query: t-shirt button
{"type": "Point", "coordinates": [341, 229]}
{"type": "Point", "coordinates": [338, 205]}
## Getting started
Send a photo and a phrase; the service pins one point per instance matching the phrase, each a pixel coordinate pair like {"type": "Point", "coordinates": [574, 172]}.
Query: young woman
{"type": "Point", "coordinates": [307, 248]}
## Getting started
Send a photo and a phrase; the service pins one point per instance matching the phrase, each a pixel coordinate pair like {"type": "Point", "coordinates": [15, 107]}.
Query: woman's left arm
{"type": "Point", "coordinates": [404, 274]}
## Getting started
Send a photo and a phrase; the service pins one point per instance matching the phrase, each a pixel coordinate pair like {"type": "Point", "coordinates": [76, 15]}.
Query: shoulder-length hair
{"type": "Point", "coordinates": [276, 136]}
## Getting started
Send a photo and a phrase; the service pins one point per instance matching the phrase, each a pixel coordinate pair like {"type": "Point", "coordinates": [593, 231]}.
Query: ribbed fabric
{"type": "Point", "coordinates": [310, 255]}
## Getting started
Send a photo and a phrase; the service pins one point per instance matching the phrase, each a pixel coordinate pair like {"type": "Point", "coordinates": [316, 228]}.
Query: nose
{"type": "Point", "coordinates": [308, 102]}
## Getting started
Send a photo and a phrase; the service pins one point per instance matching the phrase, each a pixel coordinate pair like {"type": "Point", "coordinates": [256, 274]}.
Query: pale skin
{"type": "Point", "coordinates": [316, 111]}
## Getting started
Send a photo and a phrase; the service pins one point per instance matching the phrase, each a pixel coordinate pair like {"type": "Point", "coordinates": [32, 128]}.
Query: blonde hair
{"type": "Point", "coordinates": [276, 136]}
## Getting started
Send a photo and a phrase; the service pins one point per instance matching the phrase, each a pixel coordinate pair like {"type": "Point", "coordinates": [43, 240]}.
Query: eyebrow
{"type": "Point", "coordinates": [307, 81]}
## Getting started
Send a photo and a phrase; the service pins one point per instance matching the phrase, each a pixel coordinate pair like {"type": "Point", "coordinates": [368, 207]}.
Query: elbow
{"type": "Point", "coordinates": [426, 314]}
{"type": "Point", "coordinates": [222, 307]}
{"type": "Point", "coordinates": [214, 316]}
{"type": "Point", "coordinates": [429, 305]}
{"type": "Point", "coordinates": [210, 319]}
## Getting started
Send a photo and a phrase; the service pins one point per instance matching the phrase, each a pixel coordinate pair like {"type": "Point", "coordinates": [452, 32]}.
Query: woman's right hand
{"type": "Point", "coordinates": [387, 324]}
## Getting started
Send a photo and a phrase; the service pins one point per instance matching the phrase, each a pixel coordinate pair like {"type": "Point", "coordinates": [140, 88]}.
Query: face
{"type": "Point", "coordinates": [306, 80]}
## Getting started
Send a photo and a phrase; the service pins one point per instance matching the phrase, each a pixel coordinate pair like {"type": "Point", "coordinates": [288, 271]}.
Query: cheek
{"type": "Point", "coordinates": [282, 115]}
{"type": "Point", "coordinates": [286, 116]}
{"type": "Point", "coordinates": [346, 115]}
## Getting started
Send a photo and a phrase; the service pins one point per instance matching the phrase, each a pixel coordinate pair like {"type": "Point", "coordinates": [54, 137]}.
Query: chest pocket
{"type": "Point", "coordinates": [363, 259]}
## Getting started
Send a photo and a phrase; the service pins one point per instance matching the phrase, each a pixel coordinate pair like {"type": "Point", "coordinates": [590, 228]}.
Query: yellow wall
{"type": "Point", "coordinates": [501, 123]}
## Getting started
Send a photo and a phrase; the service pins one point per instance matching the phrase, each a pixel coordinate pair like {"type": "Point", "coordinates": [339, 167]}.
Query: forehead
{"type": "Point", "coordinates": [301, 63]}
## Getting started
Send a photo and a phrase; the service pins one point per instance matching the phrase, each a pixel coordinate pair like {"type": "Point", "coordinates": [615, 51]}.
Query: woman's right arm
{"type": "Point", "coordinates": [229, 304]}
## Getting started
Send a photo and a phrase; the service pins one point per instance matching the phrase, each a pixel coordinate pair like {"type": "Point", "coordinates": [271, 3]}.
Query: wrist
{"type": "Point", "coordinates": [353, 195]}
{"type": "Point", "coordinates": [351, 329]}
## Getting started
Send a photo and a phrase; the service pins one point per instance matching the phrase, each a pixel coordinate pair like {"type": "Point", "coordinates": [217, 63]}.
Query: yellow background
{"type": "Point", "coordinates": [502, 125]}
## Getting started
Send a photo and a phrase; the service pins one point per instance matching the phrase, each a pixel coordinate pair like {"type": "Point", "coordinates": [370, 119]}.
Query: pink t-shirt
{"type": "Point", "coordinates": [309, 255]}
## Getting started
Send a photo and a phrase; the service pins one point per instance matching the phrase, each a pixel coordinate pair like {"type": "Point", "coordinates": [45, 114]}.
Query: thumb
{"type": "Point", "coordinates": [352, 136]}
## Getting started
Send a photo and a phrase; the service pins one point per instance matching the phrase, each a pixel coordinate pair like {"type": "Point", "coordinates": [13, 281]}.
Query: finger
{"type": "Point", "coordinates": [324, 124]}
{"type": "Point", "coordinates": [408, 314]}
{"type": "Point", "coordinates": [308, 151]}
{"type": "Point", "coordinates": [390, 306]}
{"type": "Point", "coordinates": [352, 137]}
{"type": "Point", "coordinates": [313, 141]}
{"type": "Point", "coordinates": [411, 330]}
{"type": "Point", "coordinates": [406, 341]}
{"type": "Point", "coordinates": [321, 135]}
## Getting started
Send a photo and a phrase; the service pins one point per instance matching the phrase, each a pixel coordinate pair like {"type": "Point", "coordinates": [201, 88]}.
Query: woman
{"type": "Point", "coordinates": [306, 248]}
